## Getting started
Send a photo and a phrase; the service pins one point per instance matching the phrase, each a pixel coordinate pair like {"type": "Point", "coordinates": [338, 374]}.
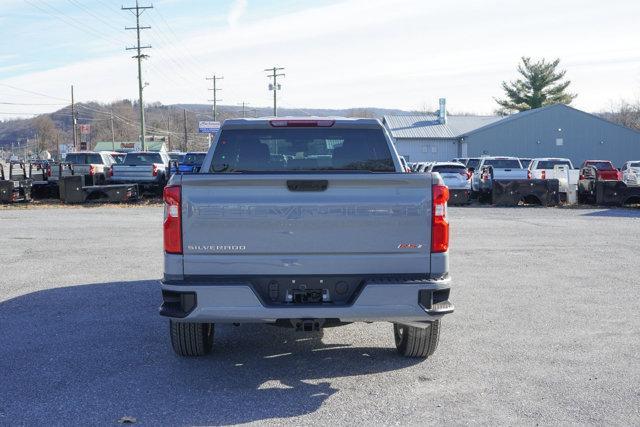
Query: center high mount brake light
{"type": "Point", "coordinates": [301, 123]}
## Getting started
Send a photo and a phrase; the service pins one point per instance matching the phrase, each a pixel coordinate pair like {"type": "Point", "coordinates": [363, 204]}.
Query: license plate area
{"type": "Point", "coordinates": [307, 290]}
{"type": "Point", "coordinates": [307, 296]}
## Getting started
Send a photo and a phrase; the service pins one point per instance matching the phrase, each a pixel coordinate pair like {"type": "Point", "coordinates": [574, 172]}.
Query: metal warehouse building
{"type": "Point", "coordinates": [552, 131]}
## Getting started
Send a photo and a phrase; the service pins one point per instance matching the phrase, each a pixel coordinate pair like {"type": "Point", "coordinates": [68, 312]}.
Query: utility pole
{"type": "Point", "coordinates": [137, 11]}
{"type": "Point", "coordinates": [113, 134]}
{"type": "Point", "coordinates": [215, 99]}
{"type": "Point", "coordinates": [186, 144]}
{"type": "Point", "coordinates": [168, 131]}
{"type": "Point", "coordinates": [275, 87]}
{"type": "Point", "coordinates": [74, 119]}
{"type": "Point", "coordinates": [244, 105]}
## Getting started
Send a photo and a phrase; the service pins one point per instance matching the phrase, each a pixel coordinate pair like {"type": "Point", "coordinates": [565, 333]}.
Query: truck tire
{"type": "Point", "coordinates": [412, 341]}
{"type": "Point", "coordinates": [191, 339]}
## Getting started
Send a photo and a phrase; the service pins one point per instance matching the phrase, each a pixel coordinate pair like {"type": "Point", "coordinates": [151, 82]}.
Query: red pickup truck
{"type": "Point", "coordinates": [592, 171]}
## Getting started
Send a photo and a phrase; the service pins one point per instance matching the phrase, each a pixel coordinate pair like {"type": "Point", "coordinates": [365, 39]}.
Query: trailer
{"type": "Point", "coordinates": [73, 190]}
{"type": "Point", "coordinates": [17, 187]}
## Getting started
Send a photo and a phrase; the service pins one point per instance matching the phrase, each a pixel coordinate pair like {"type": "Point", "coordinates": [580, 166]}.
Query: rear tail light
{"type": "Point", "coordinates": [154, 170]}
{"type": "Point", "coordinates": [49, 170]}
{"type": "Point", "coordinates": [172, 219]}
{"type": "Point", "coordinates": [485, 176]}
{"type": "Point", "coordinates": [92, 170]}
{"type": "Point", "coordinates": [110, 172]}
{"type": "Point", "coordinates": [439, 224]}
{"type": "Point", "coordinates": [469, 175]}
{"type": "Point", "coordinates": [544, 174]}
{"type": "Point", "coordinates": [528, 174]}
{"type": "Point", "coordinates": [581, 176]}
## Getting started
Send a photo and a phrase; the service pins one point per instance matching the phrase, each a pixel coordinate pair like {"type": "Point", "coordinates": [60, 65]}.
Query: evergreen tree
{"type": "Point", "coordinates": [541, 84]}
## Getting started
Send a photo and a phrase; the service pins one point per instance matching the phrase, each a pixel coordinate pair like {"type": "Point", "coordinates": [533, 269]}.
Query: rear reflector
{"type": "Point", "coordinates": [172, 219]}
{"type": "Point", "coordinates": [439, 225]}
{"type": "Point", "coordinates": [301, 123]}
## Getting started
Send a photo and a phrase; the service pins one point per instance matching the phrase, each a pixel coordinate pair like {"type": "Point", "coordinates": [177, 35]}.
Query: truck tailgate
{"type": "Point", "coordinates": [134, 173]}
{"type": "Point", "coordinates": [509, 174]}
{"type": "Point", "coordinates": [281, 224]}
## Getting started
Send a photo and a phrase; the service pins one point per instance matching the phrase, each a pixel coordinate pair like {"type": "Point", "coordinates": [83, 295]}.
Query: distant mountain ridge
{"type": "Point", "coordinates": [48, 129]}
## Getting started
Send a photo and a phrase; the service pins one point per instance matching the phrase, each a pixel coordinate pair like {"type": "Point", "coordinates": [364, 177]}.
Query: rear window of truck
{"type": "Point", "coordinates": [503, 163]}
{"type": "Point", "coordinates": [550, 164]}
{"type": "Point", "coordinates": [83, 159]}
{"type": "Point", "coordinates": [134, 159]}
{"type": "Point", "coordinates": [601, 166]}
{"type": "Point", "coordinates": [302, 150]}
{"type": "Point", "coordinates": [450, 169]}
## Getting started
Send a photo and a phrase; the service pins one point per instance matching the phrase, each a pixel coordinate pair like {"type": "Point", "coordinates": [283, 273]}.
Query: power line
{"type": "Point", "coordinates": [139, 10]}
{"type": "Point", "coordinates": [275, 86]}
{"type": "Point", "coordinates": [57, 13]}
{"type": "Point", "coordinates": [33, 93]}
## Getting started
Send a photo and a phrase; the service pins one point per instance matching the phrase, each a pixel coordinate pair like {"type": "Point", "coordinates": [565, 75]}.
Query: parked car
{"type": "Point", "coordinates": [605, 171]}
{"type": "Point", "coordinates": [462, 160]}
{"type": "Point", "coordinates": [525, 161]}
{"type": "Point", "coordinates": [422, 166]}
{"type": "Point", "coordinates": [191, 163]}
{"type": "Point", "coordinates": [95, 166]}
{"type": "Point", "coordinates": [456, 177]}
{"type": "Point", "coordinates": [405, 165]}
{"type": "Point", "coordinates": [176, 156]}
{"type": "Point", "coordinates": [337, 233]}
{"type": "Point", "coordinates": [117, 157]}
{"type": "Point", "coordinates": [592, 171]}
{"type": "Point", "coordinates": [542, 168]}
{"type": "Point", "coordinates": [146, 168]}
{"type": "Point", "coordinates": [631, 172]}
{"type": "Point", "coordinates": [473, 163]}
{"type": "Point", "coordinates": [496, 169]}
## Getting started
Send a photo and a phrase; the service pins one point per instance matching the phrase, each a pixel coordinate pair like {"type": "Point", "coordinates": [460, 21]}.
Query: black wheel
{"type": "Point", "coordinates": [191, 339]}
{"type": "Point", "coordinates": [417, 342]}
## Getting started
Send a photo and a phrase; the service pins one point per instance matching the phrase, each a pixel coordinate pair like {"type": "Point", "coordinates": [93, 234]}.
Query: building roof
{"type": "Point", "coordinates": [523, 114]}
{"type": "Point", "coordinates": [428, 126]}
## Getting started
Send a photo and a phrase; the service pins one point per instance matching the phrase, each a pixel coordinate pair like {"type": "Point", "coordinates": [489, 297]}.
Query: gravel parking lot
{"type": "Point", "coordinates": [546, 330]}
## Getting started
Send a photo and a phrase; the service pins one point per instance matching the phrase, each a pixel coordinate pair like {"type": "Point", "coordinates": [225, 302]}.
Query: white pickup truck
{"type": "Point", "coordinates": [631, 172]}
{"type": "Point", "coordinates": [95, 166]}
{"type": "Point", "coordinates": [496, 169]}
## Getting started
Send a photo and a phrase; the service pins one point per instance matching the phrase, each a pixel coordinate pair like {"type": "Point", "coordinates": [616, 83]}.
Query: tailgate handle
{"type": "Point", "coordinates": [308, 185]}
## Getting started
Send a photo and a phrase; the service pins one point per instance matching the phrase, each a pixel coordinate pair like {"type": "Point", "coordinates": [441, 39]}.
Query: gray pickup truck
{"type": "Point", "coordinates": [150, 170]}
{"type": "Point", "coordinates": [305, 223]}
{"type": "Point", "coordinates": [95, 166]}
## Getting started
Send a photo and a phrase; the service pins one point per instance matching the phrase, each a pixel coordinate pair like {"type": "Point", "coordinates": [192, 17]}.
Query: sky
{"type": "Point", "coordinates": [401, 54]}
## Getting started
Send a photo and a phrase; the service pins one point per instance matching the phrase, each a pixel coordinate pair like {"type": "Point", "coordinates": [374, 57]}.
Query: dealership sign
{"type": "Point", "coordinates": [208, 127]}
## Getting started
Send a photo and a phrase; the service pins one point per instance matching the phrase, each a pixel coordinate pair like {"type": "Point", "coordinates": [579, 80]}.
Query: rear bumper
{"type": "Point", "coordinates": [422, 301]}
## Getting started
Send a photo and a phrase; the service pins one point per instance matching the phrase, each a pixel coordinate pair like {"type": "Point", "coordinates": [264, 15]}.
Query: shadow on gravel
{"type": "Point", "coordinates": [92, 354]}
{"type": "Point", "coordinates": [615, 213]}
